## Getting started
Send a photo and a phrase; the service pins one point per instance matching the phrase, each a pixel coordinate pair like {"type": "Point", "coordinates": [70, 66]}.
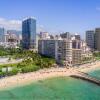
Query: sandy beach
{"type": "Point", "coordinates": [90, 66]}
{"type": "Point", "coordinates": [27, 78]}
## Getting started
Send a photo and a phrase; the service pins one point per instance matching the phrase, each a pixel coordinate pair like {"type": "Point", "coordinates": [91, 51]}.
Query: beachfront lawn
{"type": "Point", "coordinates": [96, 55]}
{"type": "Point", "coordinates": [31, 62]}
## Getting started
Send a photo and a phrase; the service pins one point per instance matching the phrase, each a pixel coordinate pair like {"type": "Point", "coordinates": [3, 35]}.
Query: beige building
{"type": "Point", "coordinates": [64, 52]}
{"type": "Point", "coordinates": [76, 56]}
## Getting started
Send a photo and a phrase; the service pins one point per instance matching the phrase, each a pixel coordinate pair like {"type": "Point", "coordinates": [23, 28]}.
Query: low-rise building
{"type": "Point", "coordinates": [11, 41]}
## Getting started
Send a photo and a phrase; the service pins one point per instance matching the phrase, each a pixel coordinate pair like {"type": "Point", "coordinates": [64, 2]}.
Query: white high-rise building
{"type": "Point", "coordinates": [59, 49]}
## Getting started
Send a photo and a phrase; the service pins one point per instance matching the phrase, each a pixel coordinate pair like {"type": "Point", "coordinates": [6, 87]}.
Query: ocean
{"type": "Point", "coordinates": [59, 88]}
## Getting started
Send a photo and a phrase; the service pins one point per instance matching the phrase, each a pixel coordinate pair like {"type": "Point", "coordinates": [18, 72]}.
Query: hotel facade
{"type": "Point", "coordinates": [61, 50]}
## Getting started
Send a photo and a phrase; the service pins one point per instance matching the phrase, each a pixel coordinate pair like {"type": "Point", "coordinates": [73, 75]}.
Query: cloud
{"type": "Point", "coordinates": [17, 25]}
{"type": "Point", "coordinates": [10, 24]}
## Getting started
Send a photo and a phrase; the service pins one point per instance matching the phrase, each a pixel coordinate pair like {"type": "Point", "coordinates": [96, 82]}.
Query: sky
{"type": "Point", "coordinates": [54, 16]}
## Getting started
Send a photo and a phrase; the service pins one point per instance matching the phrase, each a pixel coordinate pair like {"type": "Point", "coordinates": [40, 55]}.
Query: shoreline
{"type": "Point", "coordinates": [28, 78]}
{"type": "Point", "coordinates": [90, 67]}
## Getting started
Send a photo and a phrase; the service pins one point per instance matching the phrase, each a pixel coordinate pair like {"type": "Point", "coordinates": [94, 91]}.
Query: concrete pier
{"type": "Point", "coordinates": [85, 76]}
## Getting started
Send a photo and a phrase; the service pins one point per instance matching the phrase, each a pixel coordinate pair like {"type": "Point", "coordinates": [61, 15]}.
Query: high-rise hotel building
{"type": "Point", "coordinates": [29, 33]}
{"type": "Point", "coordinates": [59, 49]}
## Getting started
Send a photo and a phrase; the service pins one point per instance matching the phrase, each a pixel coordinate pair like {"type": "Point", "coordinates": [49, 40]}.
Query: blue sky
{"type": "Point", "coordinates": [54, 15]}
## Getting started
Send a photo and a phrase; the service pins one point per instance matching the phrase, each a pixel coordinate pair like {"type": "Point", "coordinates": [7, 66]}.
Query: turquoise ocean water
{"type": "Point", "coordinates": [61, 88]}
